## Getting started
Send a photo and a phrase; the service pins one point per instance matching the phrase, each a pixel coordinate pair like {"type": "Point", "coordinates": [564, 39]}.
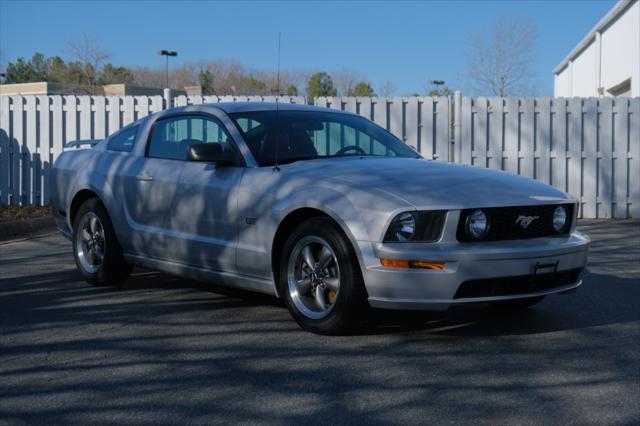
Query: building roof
{"type": "Point", "coordinates": [611, 16]}
{"type": "Point", "coordinates": [53, 88]}
{"type": "Point", "coordinates": [35, 88]}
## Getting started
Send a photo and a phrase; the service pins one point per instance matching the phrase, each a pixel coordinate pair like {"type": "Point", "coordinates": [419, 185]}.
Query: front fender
{"type": "Point", "coordinates": [328, 201]}
{"type": "Point", "coordinates": [361, 214]}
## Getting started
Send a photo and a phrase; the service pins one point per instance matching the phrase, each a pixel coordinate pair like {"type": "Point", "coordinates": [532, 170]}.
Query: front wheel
{"type": "Point", "coordinates": [96, 250]}
{"type": "Point", "coordinates": [320, 279]}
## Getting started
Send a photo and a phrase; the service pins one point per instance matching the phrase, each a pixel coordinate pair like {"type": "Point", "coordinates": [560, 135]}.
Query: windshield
{"type": "Point", "coordinates": [288, 136]}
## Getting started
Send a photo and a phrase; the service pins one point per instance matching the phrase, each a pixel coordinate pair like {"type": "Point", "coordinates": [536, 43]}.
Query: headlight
{"type": "Point", "coordinates": [420, 227]}
{"type": "Point", "coordinates": [403, 227]}
{"type": "Point", "coordinates": [559, 219]}
{"type": "Point", "coordinates": [477, 224]}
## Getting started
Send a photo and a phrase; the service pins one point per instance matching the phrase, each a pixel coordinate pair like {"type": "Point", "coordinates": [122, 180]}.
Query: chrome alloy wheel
{"type": "Point", "coordinates": [90, 244]}
{"type": "Point", "coordinates": [313, 277]}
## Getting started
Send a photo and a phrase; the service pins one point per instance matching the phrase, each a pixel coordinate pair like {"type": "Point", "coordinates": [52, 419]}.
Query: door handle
{"type": "Point", "coordinates": [144, 177]}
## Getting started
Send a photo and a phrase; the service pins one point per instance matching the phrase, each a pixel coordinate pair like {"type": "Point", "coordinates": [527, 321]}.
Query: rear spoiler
{"type": "Point", "coordinates": [85, 143]}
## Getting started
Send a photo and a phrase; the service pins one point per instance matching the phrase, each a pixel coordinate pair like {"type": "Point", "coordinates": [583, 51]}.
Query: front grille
{"type": "Point", "coordinates": [523, 284]}
{"type": "Point", "coordinates": [503, 225]}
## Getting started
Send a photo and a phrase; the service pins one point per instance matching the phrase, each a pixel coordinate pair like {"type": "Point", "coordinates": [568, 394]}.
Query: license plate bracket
{"type": "Point", "coordinates": [545, 268]}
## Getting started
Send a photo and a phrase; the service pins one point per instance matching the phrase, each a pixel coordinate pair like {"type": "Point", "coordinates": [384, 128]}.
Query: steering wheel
{"type": "Point", "coordinates": [355, 148]}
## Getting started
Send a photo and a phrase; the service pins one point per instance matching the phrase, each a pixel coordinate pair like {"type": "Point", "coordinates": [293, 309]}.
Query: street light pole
{"type": "Point", "coordinates": [437, 83]}
{"type": "Point", "coordinates": [167, 53]}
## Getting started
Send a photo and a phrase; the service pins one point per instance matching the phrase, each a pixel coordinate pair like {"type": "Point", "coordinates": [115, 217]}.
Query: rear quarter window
{"type": "Point", "coordinates": [123, 141]}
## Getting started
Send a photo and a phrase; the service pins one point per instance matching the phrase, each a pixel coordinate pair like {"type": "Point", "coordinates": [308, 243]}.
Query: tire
{"type": "Point", "coordinates": [518, 304]}
{"type": "Point", "coordinates": [305, 290]}
{"type": "Point", "coordinates": [96, 250]}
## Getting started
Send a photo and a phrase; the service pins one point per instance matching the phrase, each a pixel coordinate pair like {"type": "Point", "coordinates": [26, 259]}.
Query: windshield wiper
{"type": "Point", "coordinates": [288, 160]}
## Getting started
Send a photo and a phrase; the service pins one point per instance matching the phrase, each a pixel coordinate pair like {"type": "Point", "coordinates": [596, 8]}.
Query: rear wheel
{"type": "Point", "coordinates": [96, 250]}
{"type": "Point", "coordinates": [320, 279]}
{"type": "Point", "coordinates": [517, 304]}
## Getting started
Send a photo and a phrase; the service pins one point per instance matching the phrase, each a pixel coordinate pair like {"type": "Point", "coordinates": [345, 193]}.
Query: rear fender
{"type": "Point", "coordinates": [82, 170]}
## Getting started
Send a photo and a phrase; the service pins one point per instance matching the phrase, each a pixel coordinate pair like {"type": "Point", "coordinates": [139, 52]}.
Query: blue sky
{"type": "Point", "coordinates": [408, 43]}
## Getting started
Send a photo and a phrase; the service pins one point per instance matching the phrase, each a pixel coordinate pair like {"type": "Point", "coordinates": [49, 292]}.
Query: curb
{"type": "Point", "coordinates": [16, 228]}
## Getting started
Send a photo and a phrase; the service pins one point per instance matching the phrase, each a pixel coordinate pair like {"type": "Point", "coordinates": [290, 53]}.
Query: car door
{"type": "Point", "coordinates": [202, 218]}
{"type": "Point", "coordinates": [150, 187]}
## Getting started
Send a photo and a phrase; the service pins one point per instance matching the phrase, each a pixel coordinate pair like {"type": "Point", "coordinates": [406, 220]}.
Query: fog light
{"type": "Point", "coordinates": [477, 224]}
{"type": "Point", "coordinates": [559, 219]}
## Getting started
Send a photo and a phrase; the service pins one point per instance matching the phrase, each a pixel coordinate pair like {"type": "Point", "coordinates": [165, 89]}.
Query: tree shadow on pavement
{"type": "Point", "coordinates": [165, 350]}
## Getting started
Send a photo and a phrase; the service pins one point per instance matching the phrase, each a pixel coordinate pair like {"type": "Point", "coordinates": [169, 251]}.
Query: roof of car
{"type": "Point", "coordinates": [231, 107]}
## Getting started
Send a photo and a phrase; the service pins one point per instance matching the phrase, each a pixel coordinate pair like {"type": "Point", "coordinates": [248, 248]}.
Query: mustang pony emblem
{"type": "Point", "coordinates": [525, 221]}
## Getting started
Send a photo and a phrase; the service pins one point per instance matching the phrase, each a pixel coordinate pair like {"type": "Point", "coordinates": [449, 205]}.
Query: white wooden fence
{"type": "Point", "coordinates": [34, 129]}
{"type": "Point", "coordinates": [587, 147]}
{"type": "Point", "coordinates": [197, 100]}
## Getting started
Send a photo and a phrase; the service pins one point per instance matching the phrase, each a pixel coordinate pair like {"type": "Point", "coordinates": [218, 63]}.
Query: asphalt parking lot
{"type": "Point", "coordinates": [164, 350]}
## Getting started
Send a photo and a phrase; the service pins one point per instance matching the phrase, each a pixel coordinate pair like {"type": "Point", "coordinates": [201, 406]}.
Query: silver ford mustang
{"type": "Point", "coordinates": [322, 208]}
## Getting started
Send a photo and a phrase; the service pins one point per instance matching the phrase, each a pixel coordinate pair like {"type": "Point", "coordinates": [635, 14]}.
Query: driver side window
{"type": "Point", "coordinates": [172, 137]}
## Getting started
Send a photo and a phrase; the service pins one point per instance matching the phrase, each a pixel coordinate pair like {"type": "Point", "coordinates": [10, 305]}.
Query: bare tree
{"type": "Point", "coordinates": [345, 80]}
{"type": "Point", "coordinates": [500, 59]}
{"type": "Point", "coordinates": [87, 51]}
{"type": "Point", "coordinates": [386, 88]}
{"type": "Point", "coordinates": [224, 77]}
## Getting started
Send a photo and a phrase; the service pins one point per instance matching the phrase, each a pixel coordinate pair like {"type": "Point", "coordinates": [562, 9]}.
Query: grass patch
{"type": "Point", "coordinates": [10, 213]}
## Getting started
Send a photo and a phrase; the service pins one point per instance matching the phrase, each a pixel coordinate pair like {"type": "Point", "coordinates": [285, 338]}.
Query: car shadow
{"type": "Point", "coordinates": [586, 307]}
{"type": "Point", "coordinates": [610, 294]}
{"type": "Point", "coordinates": [601, 300]}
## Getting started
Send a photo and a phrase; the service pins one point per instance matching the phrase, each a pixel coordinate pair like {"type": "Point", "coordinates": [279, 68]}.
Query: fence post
{"type": "Point", "coordinates": [168, 104]}
{"type": "Point", "coordinates": [457, 126]}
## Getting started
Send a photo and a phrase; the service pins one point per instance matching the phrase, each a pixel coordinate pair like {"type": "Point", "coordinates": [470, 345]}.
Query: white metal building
{"type": "Point", "coordinates": [607, 61]}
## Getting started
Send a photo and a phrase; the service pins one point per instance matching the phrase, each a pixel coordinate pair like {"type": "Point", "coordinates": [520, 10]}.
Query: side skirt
{"type": "Point", "coordinates": [228, 279]}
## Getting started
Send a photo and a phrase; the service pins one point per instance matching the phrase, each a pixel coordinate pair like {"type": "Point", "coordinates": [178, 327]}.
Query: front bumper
{"type": "Point", "coordinates": [424, 289]}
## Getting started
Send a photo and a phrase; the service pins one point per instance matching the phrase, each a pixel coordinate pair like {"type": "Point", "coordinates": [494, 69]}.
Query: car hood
{"type": "Point", "coordinates": [433, 184]}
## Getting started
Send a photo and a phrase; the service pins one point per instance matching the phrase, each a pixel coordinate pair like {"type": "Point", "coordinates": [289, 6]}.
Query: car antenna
{"type": "Point", "coordinates": [275, 166]}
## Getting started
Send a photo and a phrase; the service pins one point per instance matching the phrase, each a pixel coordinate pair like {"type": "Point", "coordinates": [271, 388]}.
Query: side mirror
{"type": "Point", "coordinates": [211, 153]}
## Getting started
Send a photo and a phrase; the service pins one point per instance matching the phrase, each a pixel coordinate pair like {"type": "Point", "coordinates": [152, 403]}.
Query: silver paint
{"type": "Point", "coordinates": [190, 218]}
